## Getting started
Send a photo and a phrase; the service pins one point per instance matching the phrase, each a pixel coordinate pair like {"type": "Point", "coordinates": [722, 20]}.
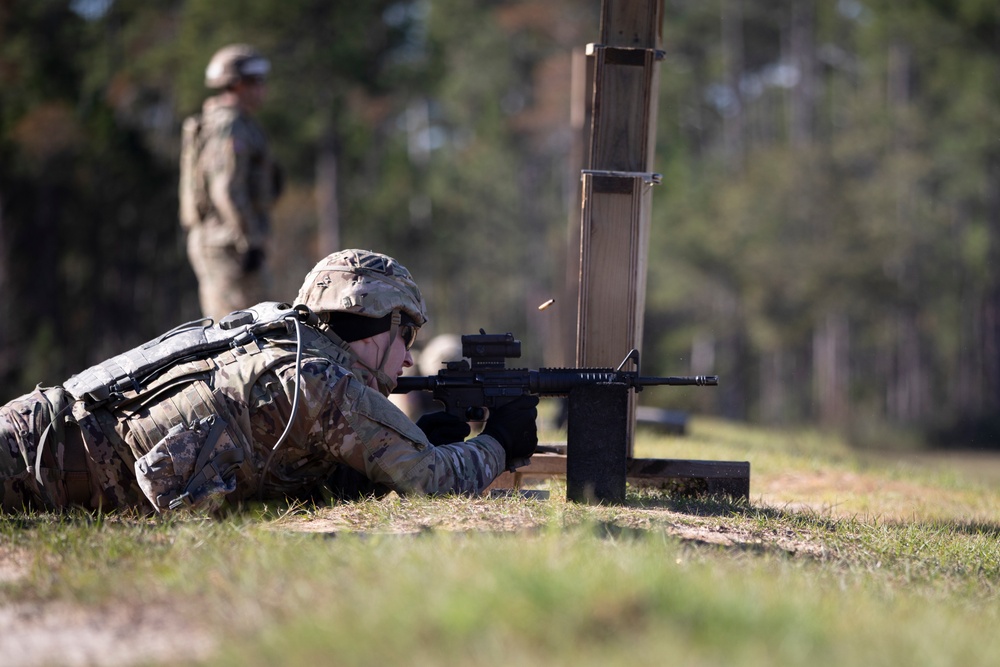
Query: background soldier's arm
{"type": "Point", "coordinates": [229, 189]}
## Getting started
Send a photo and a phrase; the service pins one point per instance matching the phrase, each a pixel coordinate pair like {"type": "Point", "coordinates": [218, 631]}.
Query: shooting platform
{"type": "Point", "coordinates": [684, 477]}
{"type": "Point", "coordinates": [597, 468]}
{"type": "Point", "coordinates": [615, 163]}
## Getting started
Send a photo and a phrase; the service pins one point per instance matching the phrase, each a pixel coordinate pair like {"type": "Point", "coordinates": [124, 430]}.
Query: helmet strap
{"type": "Point", "coordinates": [385, 383]}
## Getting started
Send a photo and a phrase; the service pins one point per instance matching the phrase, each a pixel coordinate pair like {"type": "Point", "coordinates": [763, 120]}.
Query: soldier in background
{"type": "Point", "coordinates": [228, 184]}
{"type": "Point", "coordinates": [276, 412]}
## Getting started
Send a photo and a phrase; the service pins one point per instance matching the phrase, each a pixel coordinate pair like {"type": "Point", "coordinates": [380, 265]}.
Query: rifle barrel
{"type": "Point", "coordinates": [553, 381]}
{"type": "Point", "coordinates": [681, 381]}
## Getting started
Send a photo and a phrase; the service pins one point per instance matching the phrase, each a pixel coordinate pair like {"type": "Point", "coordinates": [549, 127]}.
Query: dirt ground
{"type": "Point", "coordinates": [60, 634]}
{"type": "Point", "coordinates": [41, 634]}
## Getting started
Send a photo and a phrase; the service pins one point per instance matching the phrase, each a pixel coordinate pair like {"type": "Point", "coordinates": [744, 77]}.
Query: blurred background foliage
{"type": "Point", "coordinates": [825, 239]}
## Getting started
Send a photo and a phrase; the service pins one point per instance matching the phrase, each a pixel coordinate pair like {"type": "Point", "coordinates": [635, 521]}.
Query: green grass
{"type": "Point", "coordinates": [903, 572]}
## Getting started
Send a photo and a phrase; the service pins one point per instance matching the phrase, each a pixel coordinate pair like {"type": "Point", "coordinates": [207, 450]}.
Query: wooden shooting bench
{"type": "Point", "coordinates": [684, 477]}
{"type": "Point", "coordinates": [614, 119]}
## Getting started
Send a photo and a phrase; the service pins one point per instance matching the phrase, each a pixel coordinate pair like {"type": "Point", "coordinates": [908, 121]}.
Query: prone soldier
{"type": "Point", "coordinates": [271, 402]}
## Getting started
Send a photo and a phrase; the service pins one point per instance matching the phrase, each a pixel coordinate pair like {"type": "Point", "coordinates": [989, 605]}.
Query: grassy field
{"type": "Point", "coordinates": [837, 560]}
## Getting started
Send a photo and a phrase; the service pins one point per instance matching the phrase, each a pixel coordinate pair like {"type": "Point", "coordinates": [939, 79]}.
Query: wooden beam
{"type": "Point", "coordinates": [691, 478]}
{"type": "Point", "coordinates": [616, 197]}
{"type": "Point", "coordinates": [614, 241]}
{"type": "Point", "coordinates": [625, 105]}
{"type": "Point", "coordinates": [632, 23]}
{"type": "Point", "coordinates": [681, 476]}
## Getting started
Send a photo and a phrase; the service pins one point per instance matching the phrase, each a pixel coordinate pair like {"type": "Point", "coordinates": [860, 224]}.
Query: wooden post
{"type": "Point", "coordinates": [562, 349]}
{"type": "Point", "coordinates": [613, 241]}
{"type": "Point", "coordinates": [617, 186]}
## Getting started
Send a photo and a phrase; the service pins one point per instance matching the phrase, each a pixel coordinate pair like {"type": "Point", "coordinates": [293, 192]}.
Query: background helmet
{"type": "Point", "coordinates": [234, 62]}
{"type": "Point", "coordinates": [364, 283]}
{"type": "Point", "coordinates": [437, 351]}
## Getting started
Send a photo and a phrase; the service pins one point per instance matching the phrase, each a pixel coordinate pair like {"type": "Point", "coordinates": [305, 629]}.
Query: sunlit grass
{"type": "Point", "coordinates": [783, 580]}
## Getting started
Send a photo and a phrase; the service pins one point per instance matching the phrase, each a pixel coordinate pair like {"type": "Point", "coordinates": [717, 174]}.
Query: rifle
{"type": "Point", "coordinates": [470, 387]}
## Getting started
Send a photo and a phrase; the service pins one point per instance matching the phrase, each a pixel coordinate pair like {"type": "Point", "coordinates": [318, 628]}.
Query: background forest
{"type": "Point", "coordinates": [825, 238]}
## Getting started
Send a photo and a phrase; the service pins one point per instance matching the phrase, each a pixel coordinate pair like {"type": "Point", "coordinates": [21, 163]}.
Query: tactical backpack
{"type": "Point", "coordinates": [198, 457]}
{"type": "Point", "coordinates": [108, 383]}
{"type": "Point", "coordinates": [193, 191]}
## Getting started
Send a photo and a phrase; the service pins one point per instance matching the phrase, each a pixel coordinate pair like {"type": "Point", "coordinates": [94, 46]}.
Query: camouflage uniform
{"type": "Point", "coordinates": [227, 189]}
{"type": "Point", "coordinates": [69, 471]}
{"type": "Point", "coordinates": [220, 417]}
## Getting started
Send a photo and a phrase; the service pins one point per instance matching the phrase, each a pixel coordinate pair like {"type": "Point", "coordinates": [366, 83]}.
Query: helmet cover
{"type": "Point", "coordinates": [364, 283]}
{"type": "Point", "coordinates": [234, 62]}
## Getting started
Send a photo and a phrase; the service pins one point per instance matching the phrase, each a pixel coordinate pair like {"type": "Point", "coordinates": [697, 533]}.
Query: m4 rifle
{"type": "Point", "coordinates": [471, 386]}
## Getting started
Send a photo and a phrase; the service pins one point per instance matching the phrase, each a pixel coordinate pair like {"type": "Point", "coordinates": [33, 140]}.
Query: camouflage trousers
{"type": "Point", "coordinates": [42, 456]}
{"type": "Point", "coordinates": [223, 284]}
{"type": "Point", "coordinates": [55, 454]}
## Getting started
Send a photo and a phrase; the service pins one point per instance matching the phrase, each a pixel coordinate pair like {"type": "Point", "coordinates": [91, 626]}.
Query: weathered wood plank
{"type": "Point", "coordinates": [613, 250]}
{"type": "Point", "coordinates": [635, 23]}
{"type": "Point", "coordinates": [613, 259]}
{"type": "Point", "coordinates": [624, 108]}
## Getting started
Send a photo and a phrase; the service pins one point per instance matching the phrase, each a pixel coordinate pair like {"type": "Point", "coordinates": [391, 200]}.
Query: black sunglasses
{"type": "Point", "coordinates": [408, 332]}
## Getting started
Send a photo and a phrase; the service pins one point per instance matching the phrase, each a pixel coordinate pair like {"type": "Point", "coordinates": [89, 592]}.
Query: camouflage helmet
{"type": "Point", "coordinates": [232, 63]}
{"type": "Point", "coordinates": [362, 282]}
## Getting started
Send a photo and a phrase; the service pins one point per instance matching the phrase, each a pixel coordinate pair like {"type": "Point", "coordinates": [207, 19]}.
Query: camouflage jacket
{"type": "Point", "coordinates": [232, 177]}
{"type": "Point", "coordinates": [142, 452]}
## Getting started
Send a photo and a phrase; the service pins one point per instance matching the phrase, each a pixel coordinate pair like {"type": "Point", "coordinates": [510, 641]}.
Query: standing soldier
{"type": "Point", "coordinates": [228, 184]}
{"type": "Point", "coordinates": [273, 401]}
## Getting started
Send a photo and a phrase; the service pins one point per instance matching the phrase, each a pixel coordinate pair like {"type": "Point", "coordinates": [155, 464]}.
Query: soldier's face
{"type": "Point", "coordinates": [399, 356]}
{"type": "Point", "coordinates": [371, 352]}
{"type": "Point", "coordinates": [251, 92]}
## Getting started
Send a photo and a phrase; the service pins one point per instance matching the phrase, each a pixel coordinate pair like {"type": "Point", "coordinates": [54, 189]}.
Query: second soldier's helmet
{"type": "Point", "coordinates": [438, 351]}
{"type": "Point", "coordinates": [234, 62]}
{"type": "Point", "coordinates": [364, 283]}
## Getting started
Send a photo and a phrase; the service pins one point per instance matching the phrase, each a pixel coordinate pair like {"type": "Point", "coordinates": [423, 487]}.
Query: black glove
{"type": "Point", "coordinates": [513, 425]}
{"type": "Point", "coordinates": [346, 483]}
{"type": "Point", "coordinates": [442, 428]}
{"type": "Point", "coordinates": [253, 260]}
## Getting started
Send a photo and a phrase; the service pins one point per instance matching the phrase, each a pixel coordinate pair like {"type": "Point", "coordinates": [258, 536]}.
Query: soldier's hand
{"type": "Point", "coordinates": [442, 428]}
{"type": "Point", "coordinates": [514, 427]}
{"type": "Point", "coordinates": [253, 260]}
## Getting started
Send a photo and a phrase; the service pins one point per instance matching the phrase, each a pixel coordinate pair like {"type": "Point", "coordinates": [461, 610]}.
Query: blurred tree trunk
{"type": "Point", "coordinates": [908, 389]}
{"type": "Point", "coordinates": [734, 352]}
{"type": "Point", "coordinates": [7, 350]}
{"type": "Point", "coordinates": [967, 384]}
{"type": "Point", "coordinates": [734, 123]}
{"type": "Point", "coordinates": [774, 396]}
{"type": "Point", "coordinates": [990, 350]}
{"type": "Point", "coordinates": [986, 340]}
{"type": "Point", "coordinates": [802, 47]}
{"type": "Point", "coordinates": [831, 333]}
{"type": "Point", "coordinates": [830, 369]}
{"type": "Point", "coordinates": [327, 199]}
